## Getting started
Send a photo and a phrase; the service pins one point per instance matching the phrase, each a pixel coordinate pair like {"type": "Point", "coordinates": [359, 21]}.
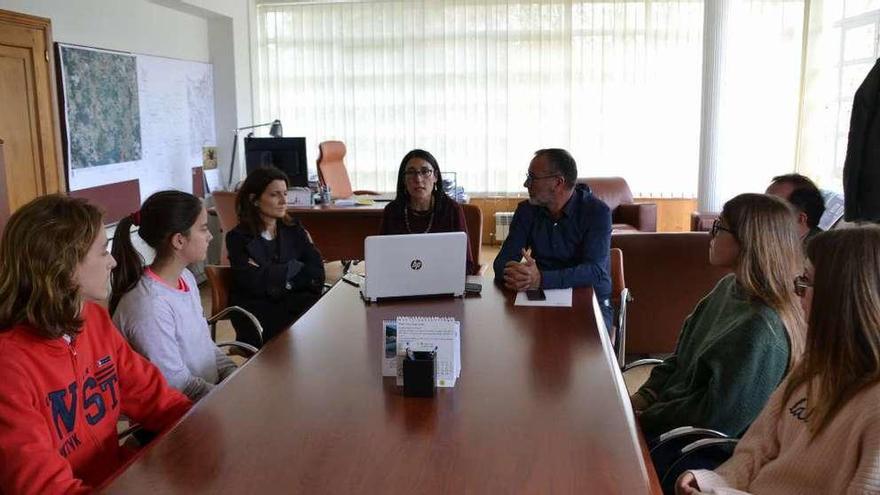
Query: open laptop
{"type": "Point", "coordinates": [414, 265]}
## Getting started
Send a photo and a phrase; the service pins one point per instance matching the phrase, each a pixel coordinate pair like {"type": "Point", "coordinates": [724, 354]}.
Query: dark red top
{"type": "Point", "coordinates": [448, 216]}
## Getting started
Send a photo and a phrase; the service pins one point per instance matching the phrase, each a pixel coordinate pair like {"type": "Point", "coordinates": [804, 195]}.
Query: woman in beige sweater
{"type": "Point", "coordinates": [820, 432]}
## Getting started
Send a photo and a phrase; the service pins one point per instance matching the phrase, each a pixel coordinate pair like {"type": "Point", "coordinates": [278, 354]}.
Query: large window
{"type": "Point", "coordinates": [483, 84]}
{"type": "Point", "coordinates": [756, 130]}
{"type": "Point", "coordinates": [842, 48]}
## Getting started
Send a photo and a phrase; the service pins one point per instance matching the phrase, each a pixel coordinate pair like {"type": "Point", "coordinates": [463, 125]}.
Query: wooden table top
{"type": "Point", "coordinates": [540, 408]}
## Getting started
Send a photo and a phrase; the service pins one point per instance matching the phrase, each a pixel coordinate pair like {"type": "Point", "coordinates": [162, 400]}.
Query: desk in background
{"type": "Point", "coordinates": [540, 407]}
{"type": "Point", "coordinates": [339, 231]}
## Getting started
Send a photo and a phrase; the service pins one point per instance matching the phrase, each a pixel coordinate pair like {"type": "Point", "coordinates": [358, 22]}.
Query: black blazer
{"type": "Point", "coordinates": [256, 274]}
{"type": "Point", "coordinates": [861, 170]}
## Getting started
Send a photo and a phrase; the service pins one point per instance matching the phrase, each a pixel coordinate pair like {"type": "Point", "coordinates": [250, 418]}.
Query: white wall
{"type": "Point", "coordinates": [229, 45]}
{"type": "Point", "coordinates": [215, 31]}
{"type": "Point", "coordinates": [136, 26]}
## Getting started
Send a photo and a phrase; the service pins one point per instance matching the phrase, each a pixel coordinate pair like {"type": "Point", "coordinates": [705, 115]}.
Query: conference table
{"type": "Point", "coordinates": [540, 407]}
{"type": "Point", "coordinates": [339, 231]}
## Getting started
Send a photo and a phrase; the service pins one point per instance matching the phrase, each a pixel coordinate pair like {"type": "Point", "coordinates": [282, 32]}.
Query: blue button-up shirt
{"type": "Point", "coordinates": [570, 252]}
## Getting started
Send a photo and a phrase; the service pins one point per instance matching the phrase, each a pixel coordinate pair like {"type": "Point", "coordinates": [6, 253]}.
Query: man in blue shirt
{"type": "Point", "coordinates": [562, 233]}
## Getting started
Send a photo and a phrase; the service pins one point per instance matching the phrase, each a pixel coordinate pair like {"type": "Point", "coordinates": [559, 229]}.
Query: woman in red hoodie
{"type": "Point", "coordinates": [67, 372]}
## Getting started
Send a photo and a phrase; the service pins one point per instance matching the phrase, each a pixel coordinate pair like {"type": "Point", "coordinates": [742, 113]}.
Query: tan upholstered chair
{"type": "Point", "coordinates": [220, 278]}
{"type": "Point", "coordinates": [668, 272]}
{"type": "Point", "coordinates": [332, 171]}
{"type": "Point", "coordinates": [224, 205]}
{"type": "Point", "coordinates": [625, 213]}
{"type": "Point", "coordinates": [473, 217]}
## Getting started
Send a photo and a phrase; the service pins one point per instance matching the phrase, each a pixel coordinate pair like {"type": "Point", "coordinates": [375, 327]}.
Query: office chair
{"type": "Point", "coordinates": [332, 171]}
{"type": "Point", "coordinates": [620, 297]}
{"type": "Point", "coordinates": [224, 206]}
{"type": "Point", "coordinates": [473, 218]}
{"type": "Point", "coordinates": [636, 373]}
{"type": "Point", "coordinates": [706, 453]}
{"type": "Point", "coordinates": [220, 277]}
{"type": "Point", "coordinates": [666, 449]}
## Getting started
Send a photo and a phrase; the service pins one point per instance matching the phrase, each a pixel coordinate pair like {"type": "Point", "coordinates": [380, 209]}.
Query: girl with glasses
{"type": "Point", "coordinates": [738, 343]}
{"type": "Point", "coordinates": [421, 206]}
{"type": "Point", "coordinates": [820, 431]}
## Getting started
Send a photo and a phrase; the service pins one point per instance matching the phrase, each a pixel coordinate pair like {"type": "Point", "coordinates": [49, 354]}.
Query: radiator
{"type": "Point", "coordinates": [502, 225]}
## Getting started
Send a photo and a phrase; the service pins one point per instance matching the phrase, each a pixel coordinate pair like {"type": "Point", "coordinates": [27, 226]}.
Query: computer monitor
{"type": "Point", "coordinates": [287, 154]}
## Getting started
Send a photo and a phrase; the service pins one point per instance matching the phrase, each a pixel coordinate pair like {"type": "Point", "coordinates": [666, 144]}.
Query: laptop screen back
{"type": "Point", "coordinates": [415, 264]}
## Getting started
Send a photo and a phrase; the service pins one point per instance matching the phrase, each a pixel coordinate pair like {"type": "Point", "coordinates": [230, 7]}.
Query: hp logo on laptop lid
{"type": "Point", "coordinates": [416, 264]}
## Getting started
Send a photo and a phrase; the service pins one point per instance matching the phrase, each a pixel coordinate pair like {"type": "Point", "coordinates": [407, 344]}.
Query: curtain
{"type": "Point", "coordinates": [758, 104]}
{"type": "Point", "coordinates": [483, 84]}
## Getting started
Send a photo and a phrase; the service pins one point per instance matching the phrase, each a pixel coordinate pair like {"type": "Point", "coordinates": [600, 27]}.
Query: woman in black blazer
{"type": "Point", "coordinates": [277, 272]}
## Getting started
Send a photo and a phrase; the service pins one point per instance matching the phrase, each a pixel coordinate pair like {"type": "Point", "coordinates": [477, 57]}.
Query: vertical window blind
{"type": "Point", "coordinates": [482, 84]}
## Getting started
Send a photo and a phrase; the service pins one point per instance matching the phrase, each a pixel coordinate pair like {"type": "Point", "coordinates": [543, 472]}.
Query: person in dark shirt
{"type": "Point", "coordinates": [277, 273]}
{"type": "Point", "coordinates": [802, 193]}
{"type": "Point", "coordinates": [562, 233]}
{"type": "Point", "coordinates": [421, 206]}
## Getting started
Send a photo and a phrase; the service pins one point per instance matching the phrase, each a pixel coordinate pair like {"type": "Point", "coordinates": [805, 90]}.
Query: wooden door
{"type": "Point", "coordinates": [29, 116]}
{"type": "Point", "coordinates": [4, 207]}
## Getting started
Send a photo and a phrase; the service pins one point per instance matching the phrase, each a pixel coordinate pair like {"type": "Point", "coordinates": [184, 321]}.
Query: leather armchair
{"type": "Point", "coordinates": [702, 222]}
{"type": "Point", "coordinates": [625, 213]}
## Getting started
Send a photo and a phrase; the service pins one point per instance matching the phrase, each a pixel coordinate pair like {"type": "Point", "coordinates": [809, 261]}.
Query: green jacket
{"type": "Point", "coordinates": [731, 355]}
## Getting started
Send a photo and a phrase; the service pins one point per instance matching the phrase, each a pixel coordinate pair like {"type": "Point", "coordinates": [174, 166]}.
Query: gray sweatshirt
{"type": "Point", "coordinates": [167, 326]}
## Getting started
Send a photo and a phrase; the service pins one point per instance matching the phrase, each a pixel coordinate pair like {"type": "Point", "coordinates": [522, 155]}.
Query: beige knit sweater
{"type": "Point", "coordinates": [777, 456]}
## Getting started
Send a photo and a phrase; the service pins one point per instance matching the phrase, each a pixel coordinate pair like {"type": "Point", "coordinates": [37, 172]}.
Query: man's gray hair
{"type": "Point", "coordinates": [563, 162]}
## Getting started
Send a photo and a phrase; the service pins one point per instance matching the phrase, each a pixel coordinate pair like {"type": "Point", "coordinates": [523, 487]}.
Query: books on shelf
{"type": "Point", "coordinates": [423, 334]}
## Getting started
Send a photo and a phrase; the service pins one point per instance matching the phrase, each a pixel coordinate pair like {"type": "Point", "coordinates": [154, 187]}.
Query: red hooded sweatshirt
{"type": "Point", "coordinates": [60, 401]}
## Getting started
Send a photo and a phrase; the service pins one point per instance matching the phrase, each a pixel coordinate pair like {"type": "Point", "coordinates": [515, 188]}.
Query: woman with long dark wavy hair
{"type": "Point", "coordinates": [421, 206]}
{"type": "Point", "coordinates": [277, 272]}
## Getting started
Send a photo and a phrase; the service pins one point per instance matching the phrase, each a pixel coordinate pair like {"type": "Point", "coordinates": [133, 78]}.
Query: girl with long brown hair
{"type": "Point", "coordinates": [67, 372]}
{"type": "Point", "coordinates": [820, 432]}
{"type": "Point", "coordinates": [158, 307]}
{"type": "Point", "coordinates": [737, 345]}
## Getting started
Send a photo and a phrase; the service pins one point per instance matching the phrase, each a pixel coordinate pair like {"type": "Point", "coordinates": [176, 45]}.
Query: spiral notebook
{"type": "Point", "coordinates": [439, 334]}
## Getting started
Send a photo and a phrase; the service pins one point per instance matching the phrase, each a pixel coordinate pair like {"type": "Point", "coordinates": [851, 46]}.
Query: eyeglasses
{"type": "Point", "coordinates": [801, 284]}
{"type": "Point", "coordinates": [422, 172]}
{"type": "Point", "coordinates": [717, 227]}
{"type": "Point", "coordinates": [532, 177]}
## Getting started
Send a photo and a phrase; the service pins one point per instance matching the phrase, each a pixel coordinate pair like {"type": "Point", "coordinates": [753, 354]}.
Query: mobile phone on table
{"type": "Point", "coordinates": [536, 294]}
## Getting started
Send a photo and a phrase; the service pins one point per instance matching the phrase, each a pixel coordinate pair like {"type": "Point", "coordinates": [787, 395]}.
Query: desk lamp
{"type": "Point", "coordinates": [274, 131]}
